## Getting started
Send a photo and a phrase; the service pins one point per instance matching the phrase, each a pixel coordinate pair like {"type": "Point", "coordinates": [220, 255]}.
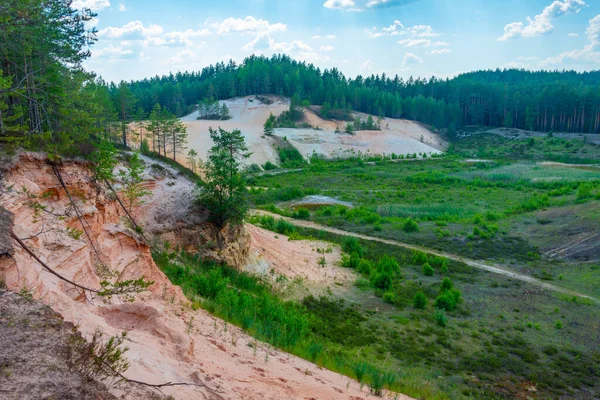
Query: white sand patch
{"type": "Point", "coordinates": [249, 115]}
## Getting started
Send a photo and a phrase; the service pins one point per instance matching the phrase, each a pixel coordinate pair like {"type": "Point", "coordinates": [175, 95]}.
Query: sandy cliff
{"type": "Point", "coordinates": [168, 340]}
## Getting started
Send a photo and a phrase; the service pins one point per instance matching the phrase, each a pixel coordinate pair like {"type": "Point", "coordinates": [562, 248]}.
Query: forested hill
{"type": "Point", "coordinates": [544, 100]}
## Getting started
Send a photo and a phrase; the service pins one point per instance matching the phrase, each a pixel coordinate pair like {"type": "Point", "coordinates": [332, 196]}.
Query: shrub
{"type": "Point", "coordinates": [351, 261]}
{"type": "Point", "coordinates": [381, 280]}
{"type": "Point", "coordinates": [302, 213]}
{"type": "Point", "coordinates": [360, 369]}
{"type": "Point", "coordinates": [388, 264]}
{"type": "Point", "coordinates": [558, 324]}
{"type": "Point", "coordinates": [365, 266]}
{"type": "Point", "coordinates": [420, 301]}
{"type": "Point", "coordinates": [351, 245]}
{"type": "Point", "coordinates": [284, 227]}
{"type": "Point", "coordinates": [389, 297]}
{"type": "Point", "coordinates": [444, 268]}
{"type": "Point", "coordinates": [410, 226]}
{"type": "Point", "coordinates": [428, 270]}
{"type": "Point", "coordinates": [584, 191]}
{"type": "Point", "coordinates": [418, 257]}
{"type": "Point", "coordinates": [314, 349]}
{"type": "Point", "coordinates": [448, 300]}
{"type": "Point", "coordinates": [269, 166]}
{"type": "Point", "coordinates": [446, 285]}
{"type": "Point", "coordinates": [376, 384]}
{"type": "Point", "coordinates": [439, 315]}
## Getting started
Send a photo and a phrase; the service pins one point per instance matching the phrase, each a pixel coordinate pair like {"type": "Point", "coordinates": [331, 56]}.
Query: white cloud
{"type": "Point", "coordinates": [395, 28]}
{"type": "Point", "coordinates": [411, 59]}
{"type": "Point", "coordinates": [346, 5]}
{"type": "Point", "coordinates": [573, 34]}
{"type": "Point", "coordinates": [329, 37]}
{"type": "Point", "coordinates": [439, 51]}
{"type": "Point", "coordinates": [423, 31]}
{"type": "Point", "coordinates": [415, 42]}
{"type": "Point", "coordinates": [122, 7]}
{"type": "Point", "coordinates": [372, 33]}
{"type": "Point", "coordinates": [248, 25]}
{"type": "Point", "coordinates": [179, 57]}
{"type": "Point", "coordinates": [421, 42]}
{"type": "Point", "coordinates": [589, 54]}
{"type": "Point", "coordinates": [152, 35]}
{"type": "Point", "coordinates": [133, 30]}
{"type": "Point", "coordinates": [177, 38]}
{"type": "Point", "coordinates": [113, 52]}
{"type": "Point", "coordinates": [541, 23]}
{"type": "Point", "coordinates": [326, 47]}
{"type": "Point", "coordinates": [94, 5]}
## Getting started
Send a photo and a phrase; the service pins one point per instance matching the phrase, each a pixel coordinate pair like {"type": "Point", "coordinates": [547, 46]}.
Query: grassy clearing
{"type": "Point", "coordinates": [499, 337]}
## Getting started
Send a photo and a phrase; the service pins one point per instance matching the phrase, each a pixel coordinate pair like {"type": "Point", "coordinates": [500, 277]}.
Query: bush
{"type": "Point", "coordinates": [448, 300]}
{"type": "Point", "coordinates": [446, 285]}
{"type": "Point", "coordinates": [420, 301]}
{"type": "Point", "coordinates": [360, 369]}
{"type": "Point", "coordinates": [365, 266]}
{"type": "Point", "coordinates": [381, 280]}
{"type": "Point", "coordinates": [418, 257]}
{"type": "Point", "coordinates": [269, 166]}
{"type": "Point", "coordinates": [439, 316]}
{"type": "Point", "coordinates": [410, 226]}
{"type": "Point", "coordinates": [388, 264]}
{"type": "Point", "coordinates": [351, 261]}
{"type": "Point", "coordinates": [284, 227]}
{"type": "Point", "coordinates": [302, 213]}
{"type": "Point", "coordinates": [584, 191]}
{"type": "Point", "coordinates": [389, 297]}
{"type": "Point", "coordinates": [428, 270]}
{"type": "Point", "coordinates": [351, 245]}
{"type": "Point", "coordinates": [558, 324]}
{"type": "Point", "coordinates": [444, 268]}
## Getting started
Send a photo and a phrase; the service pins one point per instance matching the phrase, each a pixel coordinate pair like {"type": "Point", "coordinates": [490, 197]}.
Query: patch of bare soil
{"type": "Point", "coordinates": [568, 233]}
{"type": "Point", "coordinates": [307, 264]}
{"type": "Point", "coordinates": [33, 354]}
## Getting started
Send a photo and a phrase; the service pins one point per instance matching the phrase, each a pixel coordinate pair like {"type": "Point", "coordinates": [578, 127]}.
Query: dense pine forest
{"type": "Point", "coordinates": [546, 101]}
{"type": "Point", "coordinates": [48, 101]}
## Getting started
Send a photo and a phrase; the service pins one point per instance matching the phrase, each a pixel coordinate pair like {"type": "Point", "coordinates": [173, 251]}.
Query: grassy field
{"type": "Point", "coordinates": [423, 325]}
{"type": "Point", "coordinates": [493, 199]}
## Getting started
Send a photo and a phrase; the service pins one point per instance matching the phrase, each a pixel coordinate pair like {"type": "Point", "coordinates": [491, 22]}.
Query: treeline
{"type": "Point", "coordinates": [43, 100]}
{"type": "Point", "coordinates": [545, 100]}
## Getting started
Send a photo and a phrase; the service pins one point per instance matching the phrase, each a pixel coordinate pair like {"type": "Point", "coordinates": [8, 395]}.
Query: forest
{"type": "Point", "coordinates": [48, 101]}
{"type": "Point", "coordinates": [564, 101]}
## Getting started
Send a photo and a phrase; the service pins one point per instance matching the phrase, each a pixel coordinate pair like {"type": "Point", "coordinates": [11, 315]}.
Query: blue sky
{"type": "Point", "coordinates": [143, 38]}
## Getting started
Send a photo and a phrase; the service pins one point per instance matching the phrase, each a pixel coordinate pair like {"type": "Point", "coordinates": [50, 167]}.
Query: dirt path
{"type": "Point", "coordinates": [475, 264]}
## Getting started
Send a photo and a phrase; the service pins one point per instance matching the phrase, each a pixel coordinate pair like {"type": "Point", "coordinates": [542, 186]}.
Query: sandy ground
{"type": "Point", "coordinates": [168, 341]}
{"type": "Point", "coordinates": [249, 115]}
{"type": "Point", "coordinates": [273, 255]}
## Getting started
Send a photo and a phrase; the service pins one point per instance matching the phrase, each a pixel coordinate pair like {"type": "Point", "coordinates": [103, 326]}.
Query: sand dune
{"type": "Point", "coordinates": [249, 114]}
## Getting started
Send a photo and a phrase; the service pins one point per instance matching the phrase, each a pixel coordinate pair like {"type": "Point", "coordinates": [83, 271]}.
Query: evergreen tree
{"type": "Point", "coordinates": [223, 190]}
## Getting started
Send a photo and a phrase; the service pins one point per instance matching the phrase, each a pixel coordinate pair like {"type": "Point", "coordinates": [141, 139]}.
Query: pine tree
{"type": "Point", "coordinates": [224, 191]}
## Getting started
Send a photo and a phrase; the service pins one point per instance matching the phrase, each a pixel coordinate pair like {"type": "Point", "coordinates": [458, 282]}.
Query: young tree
{"type": "Point", "coordinates": [508, 121]}
{"type": "Point", "coordinates": [223, 190]}
{"type": "Point", "coordinates": [133, 191]}
{"type": "Point", "coordinates": [225, 112]}
{"type": "Point", "coordinates": [325, 110]}
{"type": "Point", "coordinates": [269, 125]}
{"type": "Point", "coordinates": [191, 159]}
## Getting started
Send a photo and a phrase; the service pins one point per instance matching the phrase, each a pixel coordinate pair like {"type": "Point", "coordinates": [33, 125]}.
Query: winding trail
{"type": "Point", "coordinates": [475, 264]}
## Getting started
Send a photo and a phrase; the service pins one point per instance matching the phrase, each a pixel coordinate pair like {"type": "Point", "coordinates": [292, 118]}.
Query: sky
{"type": "Point", "coordinates": [420, 38]}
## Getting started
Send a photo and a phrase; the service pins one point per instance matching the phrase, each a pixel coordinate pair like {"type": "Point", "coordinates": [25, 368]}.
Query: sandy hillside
{"type": "Point", "coordinates": [248, 114]}
{"type": "Point", "coordinates": [273, 255]}
{"type": "Point", "coordinates": [168, 341]}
